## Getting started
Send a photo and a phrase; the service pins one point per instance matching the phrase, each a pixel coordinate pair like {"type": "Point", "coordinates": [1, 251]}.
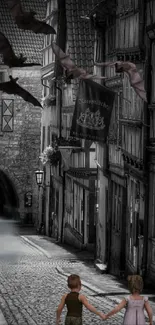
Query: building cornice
{"type": "Point", "coordinates": [82, 172]}
{"type": "Point", "coordinates": [47, 69]}
{"type": "Point", "coordinates": [134, 54]}
{"type": "Point", "coordinates": [131, 122]}
{"type": "Point", "coordinates": [68, 109]}
{"type": "Point", "coordinates": [132, 161]}
{"type": "Point", "coordinates": [115, 81]}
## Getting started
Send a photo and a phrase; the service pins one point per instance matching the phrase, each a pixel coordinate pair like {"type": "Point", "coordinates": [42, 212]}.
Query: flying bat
{"type": "Point", "coordinates": [27, 21]}
{"type": "Point", "coordinates": [11, 87]}
{"type": "Point", "coordinates": [9, 56]}
{"type": "Point", "coordinates": [134, 76]}
{"type": "Point", "coordinates": [72, 71]}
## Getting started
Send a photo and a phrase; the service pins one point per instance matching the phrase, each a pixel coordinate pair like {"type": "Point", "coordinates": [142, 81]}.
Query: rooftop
{"type": "Point", "coordinates": [80, 34]}
{"type": "Point", "coordinates": [25, 42]}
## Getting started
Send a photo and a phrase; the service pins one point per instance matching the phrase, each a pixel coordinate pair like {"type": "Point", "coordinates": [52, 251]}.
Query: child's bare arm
{"type": "Point", "coordinates": [90, 307]}
{"type": "Point", "coordinates": [149, 311]}
{"type": "Point", "coordinates": [116, 309]}
{"type": "Point", "coordinates": [60, 308]}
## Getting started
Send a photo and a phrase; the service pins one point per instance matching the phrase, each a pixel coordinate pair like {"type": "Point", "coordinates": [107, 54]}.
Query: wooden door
{"type": "Point", "coordinates": [117, 229]}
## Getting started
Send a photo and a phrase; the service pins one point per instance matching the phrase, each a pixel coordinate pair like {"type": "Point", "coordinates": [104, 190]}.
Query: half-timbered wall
{"type": "Point", "coordinates": [151, 109]}
{"type": "Point", "coordinates": [48, 55]}
{"type": "Point", "coordinates": [131, 120]}
{"type": "Point", "coordinates": [151, 218]}
{"type": "Point", "coordinates": [135, 224]}
{"type": "Point", "coordinates": [49, 112]}
{"type": "Point", "coordinates": [128, 31]}
{"type": "Point", "coordinates": [110, 37]}
{"type": "Point", "coordinates": [150, 12]}
{"type": "Point", "coordinates": [127, 5]}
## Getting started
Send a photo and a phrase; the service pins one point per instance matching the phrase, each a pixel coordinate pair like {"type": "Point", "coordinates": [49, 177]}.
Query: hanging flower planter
{"type": "Point", "coordinates": [51, 155]}
{"type": "Point", "coordinates": [49, 101]}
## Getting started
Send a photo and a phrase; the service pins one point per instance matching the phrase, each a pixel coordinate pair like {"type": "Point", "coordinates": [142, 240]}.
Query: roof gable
{"type": "Point", "coordinates": [80, 34]}
{"type": "Point", "coordinates": [25, 42]}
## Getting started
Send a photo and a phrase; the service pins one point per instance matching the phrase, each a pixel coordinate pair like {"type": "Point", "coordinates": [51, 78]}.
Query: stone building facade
{"type": "Point", "coordinates": [69, 188]}
{"type": "Point", "coordinates": [20, 122]}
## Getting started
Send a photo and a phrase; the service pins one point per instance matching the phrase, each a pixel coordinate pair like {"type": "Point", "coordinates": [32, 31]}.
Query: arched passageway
{"type": "Point", "coordinates": [9, 202]}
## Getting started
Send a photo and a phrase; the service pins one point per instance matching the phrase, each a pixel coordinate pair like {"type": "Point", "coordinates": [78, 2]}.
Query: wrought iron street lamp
{"type": "Point", "coordinates": [39, 177]}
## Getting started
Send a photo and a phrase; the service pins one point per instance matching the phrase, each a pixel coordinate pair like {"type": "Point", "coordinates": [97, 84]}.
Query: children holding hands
{"type": "Point", "coordinates": [135, 304]}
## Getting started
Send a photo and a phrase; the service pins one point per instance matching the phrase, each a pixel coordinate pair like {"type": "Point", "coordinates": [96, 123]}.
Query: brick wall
{"type": "Point", "coordinates": [20, 149]}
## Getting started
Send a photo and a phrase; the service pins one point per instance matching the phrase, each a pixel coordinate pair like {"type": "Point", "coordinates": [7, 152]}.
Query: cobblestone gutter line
{"type": "Point", "coordinates": [85, 284]}
{"type": "Point", "coordinates": [61, 271]}
{"type": "Point", "coordinates": [36, 246]}
{"type": "Point", "coordinates": [97, 291]}
{"type": "Point", "coordinates": [2, 319]}
{"type": "Point", "coordinates": [89, 286]}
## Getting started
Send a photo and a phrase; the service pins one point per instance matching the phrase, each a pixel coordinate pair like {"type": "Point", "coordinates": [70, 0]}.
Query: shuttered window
{"type": "Point", "coordinates": [43, 138]}
{"type": "Point", "coordinates": [117, 206]}
{"type": "Point", "coordinates": [78, 208]}
{"type": "Point", "coordinates": [132, 227]}
{"type": "Point", "coordinates": [48, 136]}
{"type": "Point", "coordinates": [153, 72]}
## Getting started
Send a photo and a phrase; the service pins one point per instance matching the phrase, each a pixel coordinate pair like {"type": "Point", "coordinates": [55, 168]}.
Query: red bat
{"type": "Point", "coordinates": [27, 21]}
{"type": "Point", "coordinates": [9, 56]}
{"type": "Point", "coordinates": [130, 69]}
{"type": "Point", "coordinates": [11, 87]}
{"type": "Point", "coordinates": [72, 71]}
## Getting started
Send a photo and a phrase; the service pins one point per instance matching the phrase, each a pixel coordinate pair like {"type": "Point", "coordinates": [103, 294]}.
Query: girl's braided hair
{"type": "Point", "coordinates": [135, 283]}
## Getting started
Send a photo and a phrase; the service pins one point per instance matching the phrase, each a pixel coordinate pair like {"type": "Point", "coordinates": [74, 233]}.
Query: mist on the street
{"type": "Point", "coordinates": [9, 242]}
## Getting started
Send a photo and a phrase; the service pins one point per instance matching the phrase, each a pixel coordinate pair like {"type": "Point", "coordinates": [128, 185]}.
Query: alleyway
{"type": "Point", "coordinates": [33, 277]}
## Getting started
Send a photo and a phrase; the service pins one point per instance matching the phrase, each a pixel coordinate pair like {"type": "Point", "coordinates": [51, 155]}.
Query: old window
{"type": "Point", "coordinates": [153, 72]}
{"type": "Point", "coordinates": [78, 208]}
{"type": "Point", "coordinates": [117, 206]}
{"type": "Point", "coordinates": [132, 104]}
{"type": "Point", "coordinates": [48, 9]}
{"type": "Point", "coordinates": [2, 76]}
{"type": "Point", "coordinates": [43, 138]}
{"type": "Point", "coordinates": [132, 230]}
{"type": "Point", "coordinates": [6, 108]}
{"type": "Point", "coordinates": [45, 88]}
{"type": "Point", "coordinates": [128, 31]}
{"type": "Point", "coordinates": [69, 200]}
{"type": "Point", "coordinates": [152, 205]}
{"type": "Point", "coordinates": [64, 125]}
{"type": "Point", "coordinates": [99, 53]}
{"type": "Point", "coordinates": [114, 128]}
{"type": "Point", "coordinates": [110, 35]}
{"type": "Point", "coordinates": [7, 115]}
{"type": "Point", "coordinates": [48, 135]}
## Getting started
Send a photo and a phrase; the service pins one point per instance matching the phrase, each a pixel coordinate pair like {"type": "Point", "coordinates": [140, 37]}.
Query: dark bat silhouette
{"type": "Point", "coordinates": [72, 71]}
{"type": "Point", "coordinates": [130, 69]}
{"type": "Point", "coordinates": [9, 56]}
{"type": "Point", "coordinates": [27, 21]}
{"type": "Point", "coordinates": [11, 87]}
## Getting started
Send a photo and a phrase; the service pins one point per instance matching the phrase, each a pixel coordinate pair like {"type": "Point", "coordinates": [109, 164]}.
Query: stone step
{"type": "Point", "coordinates": [100, 267]}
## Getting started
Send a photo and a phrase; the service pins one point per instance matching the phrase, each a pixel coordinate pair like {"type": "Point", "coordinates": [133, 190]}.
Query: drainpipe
{"type": "Point", "coordinates": [63, 176]}
{"type": "Point", "coordinates": [146, 144]}
{"type": "Point", "coordinates": [146, 114]}
{"type": "Point", "coordinates": [63, 205]}
{"type": "Point", "coordinates": [60, 125]}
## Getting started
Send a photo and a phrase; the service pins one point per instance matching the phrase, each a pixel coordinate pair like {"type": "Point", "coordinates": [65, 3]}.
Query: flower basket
{"type": "Point", "coordinates": [49, 101]}
{"type": "Point", "coordinates": [51, 155]}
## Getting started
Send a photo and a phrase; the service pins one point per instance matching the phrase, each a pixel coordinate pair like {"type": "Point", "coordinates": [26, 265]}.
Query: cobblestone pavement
{"type": "Point", "coordinates": [31, 287]}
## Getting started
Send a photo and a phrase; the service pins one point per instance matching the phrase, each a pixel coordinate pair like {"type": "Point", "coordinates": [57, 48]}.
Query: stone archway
{"type": "Point", "coordinates": [9, 202]}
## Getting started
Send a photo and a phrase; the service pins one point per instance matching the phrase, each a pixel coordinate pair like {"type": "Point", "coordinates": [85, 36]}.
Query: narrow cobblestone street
{"type": "Point", "coordinates": [33, 277]}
